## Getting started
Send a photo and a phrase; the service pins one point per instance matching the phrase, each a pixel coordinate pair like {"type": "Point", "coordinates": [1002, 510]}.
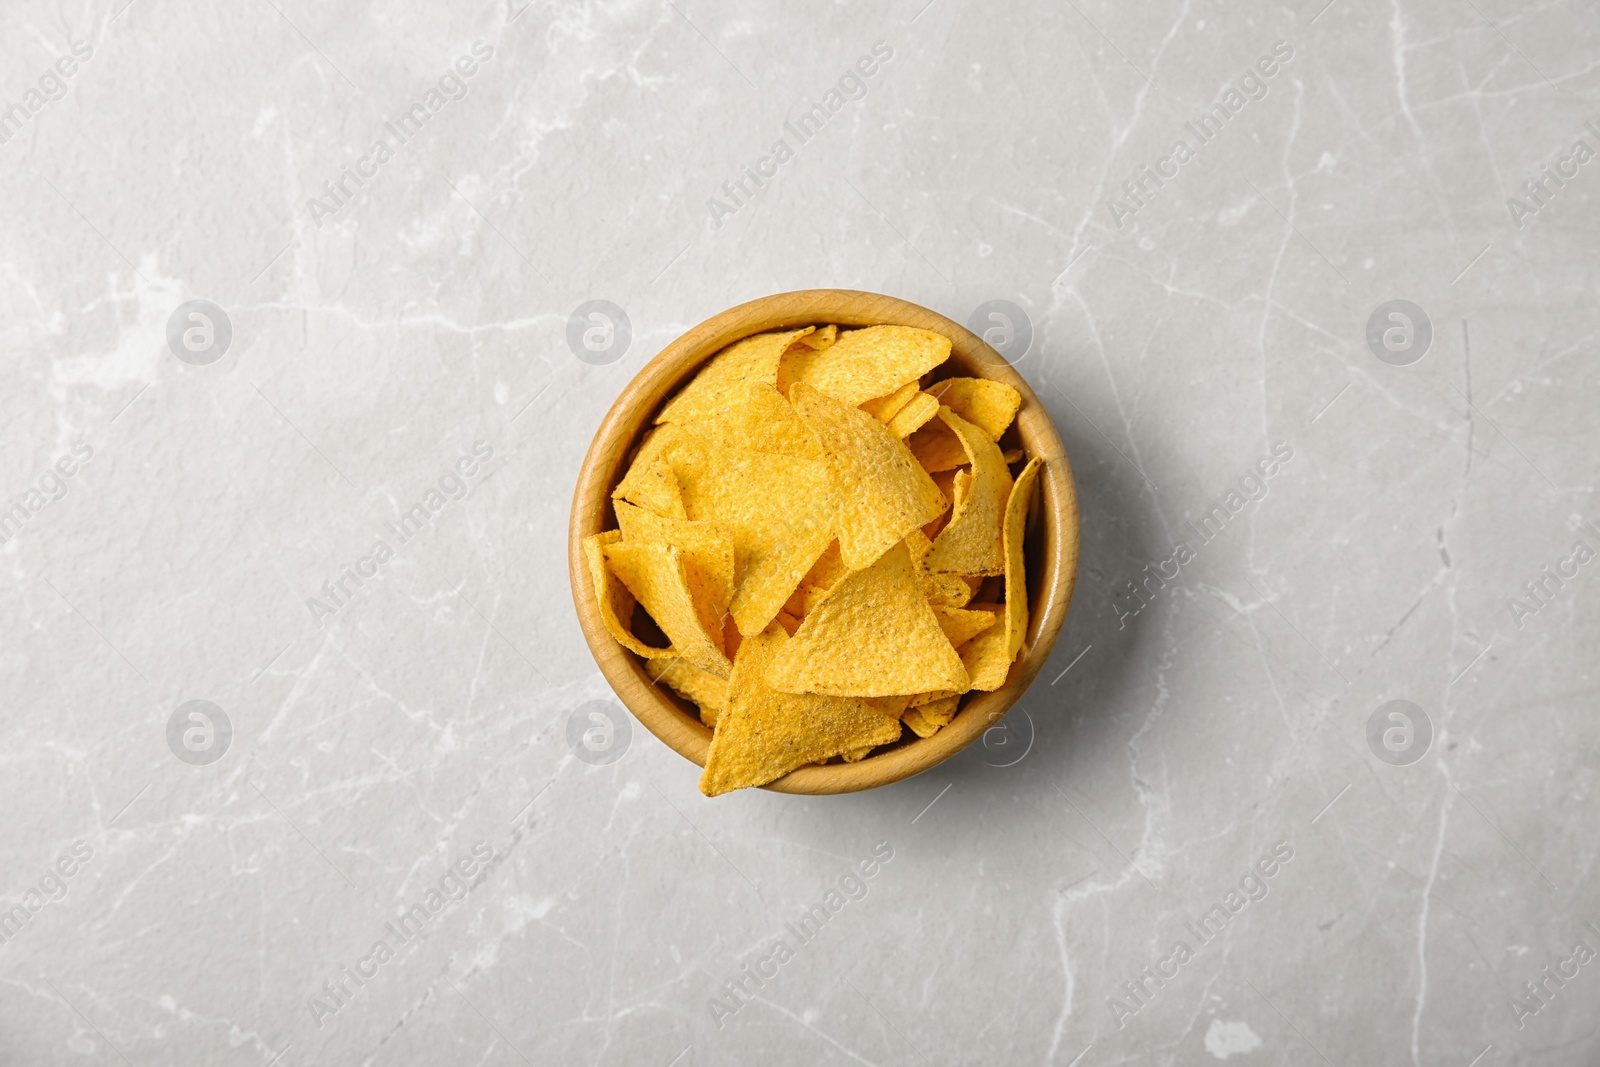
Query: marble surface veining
{"type": "Point", "coordinates": [310, 311]}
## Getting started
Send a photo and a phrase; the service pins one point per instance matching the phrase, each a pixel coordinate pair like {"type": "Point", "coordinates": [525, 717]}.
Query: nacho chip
{"type": "Point", "coordinates": [988, 405]}
{"type": "Point", "coordinates": [778, 510]}
{"type": "Point", "coordinates": [1012, 455]}
{"type": "Point", "coordinates": [890, 706]}
{"type": "Point", "coordinates": [918, 411]}
{"type": "Point", "coordinates": [937, 447]}
{"type": "Point", "coordinates": [827, 570]}
{"type": "Point", "coordinates": [616, 603]}
{"type": "Point", "coordinates": [940, 589]}
{"type": "Point", "coordinates": [820, 338]}
{"type": "Point", "coordinates": [945, 590]}
{"type": "Point", "coordinates": [650, 482]}
{"type": "Point", "coordinates": [690, 682]}
{"type": "Point", "coordinates": [873, 635]}
{"type": "Point", "coordinates": [658, 577]}
{"type": "Point", "coordinates": [961, 625]}
{"type": "Point", "coordinates": [758, 418]}
{"type": "Point", "coordinates": [882, 494]}
{"type": "Point", "coordinates": [867, 363]}
{"type": "Point", "coordinates": [709, 716]}
{"type": "Point", "coordinates": [928, 698]}
{"type": "Point", "coordinates": [857, 755]}
{"type": "Point", "coordinates": [763, 734]}
{"type": "Point", "coordinates": [884, 408]}
{"type": "Point", "coordinates": [928, 719]}
{"type": "Point", "coordinates": [988, 657]}
{"type": "Point", "coordinates": [971, 543]}
{"type": "Point", "coordinates": [706, 547]}
{"type": "Point", "coordinates": [716, 387]}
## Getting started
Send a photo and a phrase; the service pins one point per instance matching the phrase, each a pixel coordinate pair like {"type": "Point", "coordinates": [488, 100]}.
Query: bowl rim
{"type": "Point", "coordinates": [673, 720]}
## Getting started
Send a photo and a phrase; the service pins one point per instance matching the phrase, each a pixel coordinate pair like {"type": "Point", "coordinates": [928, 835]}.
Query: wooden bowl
{"type": "Point", "coordinates": [1052, 559]}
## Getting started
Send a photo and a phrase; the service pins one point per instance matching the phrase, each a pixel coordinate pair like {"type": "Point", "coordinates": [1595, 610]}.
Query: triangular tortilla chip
{"type": "Point", "coordinates": [940, 589]}
{"type": "Point", "coordinates": [658, 577]}
{"type": "Point", "coordinates": [873, 635]}
{"type": "Point", "coordinates": [758, 418]}
{"type": "Point", "coordinates": [987, 404]}
{"type": "Point", "coordinates": [650, 482]}
{"type": "Point", "coordinates": [690, 682]}
{"type": "Point", "coordinates": [763, 734]}
{"type": "Point", "coordinates": [988, 656]}
{"type": "Point", "coordinates": [937, 447]}
{"type": "Point", "coordinates": [827, 570]}
{"type": "Point", "coordinates": [714, 389]}
{"type": "Point", "coordinates": [821, 338]}
{"type": "Point", "coordinates": [706, 547]}
{"type": "Point", "coordinates": [884, 408]}
{"type": "Point", "coordinates": [971, 543]}
{"type": "Point", "coordinates": [867, 363]}
{"type": "Point", "coordinates": [779, 511]}
{"type": "Point", "coordinates": [961, 625]}
{"type": "Point", "coordinates": [925, 720]}
{"type": "Point", "coordinates": [616, 603]}
{"type": "Point", "coordinates": [908, 419]}
{"type": "Point", "coordinates": [881, 492]}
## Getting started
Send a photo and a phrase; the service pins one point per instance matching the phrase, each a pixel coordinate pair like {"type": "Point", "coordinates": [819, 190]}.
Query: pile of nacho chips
{"type": "Point", "coordinates": [828, 545]}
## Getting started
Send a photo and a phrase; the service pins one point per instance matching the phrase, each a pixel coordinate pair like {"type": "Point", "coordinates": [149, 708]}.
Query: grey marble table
{"type": "Point", "coordinates": [312, 309]}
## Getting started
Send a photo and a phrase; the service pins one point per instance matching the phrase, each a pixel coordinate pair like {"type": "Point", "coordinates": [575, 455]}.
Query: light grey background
{"type": "Point", "coordinates": [371, 748]}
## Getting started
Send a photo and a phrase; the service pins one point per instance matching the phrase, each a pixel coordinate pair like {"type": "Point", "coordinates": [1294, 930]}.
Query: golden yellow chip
{"type": "Point", "coordinates": [709, 716]}
{"type": "Point", "coordinates": [763, 734]}
{"type": "Point", "coordinates": [884, 408]}
{"type": "Point", "coordinates": [945, 590]}
{"type": "Point", "coordinates": [864, 364]}
{"type": "Point", "coordinates": [716, 387]}
{"type": "Point", "coordinates": [961, 625]}
{"type": "Point", "coordinates": [873, 635]}
{"type": "Point", "coordinates": [925, 720]}
{"type": "Point", "coordinates": [758, 418]}
{"type": "Point", "coordinates": [917, 724]}
{"type": "Point", "coordinates": [820, 338]}
{"type": "Point", "coordinates": [882, 494]}
{"type": "Point", "coordinates": [706, 547]}
{"type": "Point", "coordinates": [857, 755]}
{"type": "Point", "coordinates": [778, 510]}
{"type": "Point", "coordinates": [890, 706]}
{"type": "Point", "coordinates": [988, 656]}
{"type": "Point", "coordinates": [690, 682]}
{"type": "Point", "coordinates": [988, 405]}
{"type": "Point", "coordinates": [928, 698]}
{"type": "Point", "coordinates": [937, 447]}
{"type": "Point", "coordinates": [971, 543]}
{"type": "Point", "coordinates": [827, 570]}
{"type": "Point", "coordinates": [1012, 455]}
{"type": "Point", "coordinates": [616, 603]}
{"type": "Point", "coordinates": [908, 419]}
{"type": "Point", "coordinates": [649, 482]}
{"type": "Point", "coordinates": [658, 577]}
{"type": "Point", "coordinates": [940, 589]}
